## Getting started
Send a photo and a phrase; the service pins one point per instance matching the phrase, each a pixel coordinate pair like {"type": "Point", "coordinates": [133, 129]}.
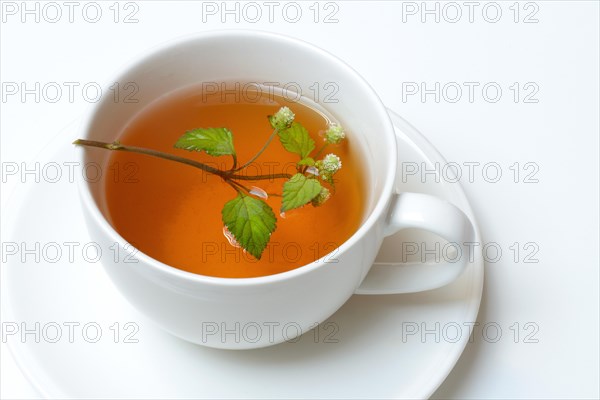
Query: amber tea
{"type": "Point", "coordinates": [173, 212]}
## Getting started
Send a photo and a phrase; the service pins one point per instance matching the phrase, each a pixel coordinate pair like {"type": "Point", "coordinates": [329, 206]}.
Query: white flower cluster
{"type": "Point", "coordinates": [282, 118]}
{"type": "Point", "coordinates": [328, 166]}
{"type": "Point", "coordinates": [331, 164]}
{"type": "Point", "coordinates": [322, 197]}
{"type": "Point", "coordinates": [334, 133]}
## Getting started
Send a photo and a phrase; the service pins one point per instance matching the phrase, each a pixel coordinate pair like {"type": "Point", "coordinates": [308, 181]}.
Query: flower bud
{"type": "Point", "coordinates": [334, 133]}
{"type": "Point", "coordinates": [282, 119]}
{"type": "Point", "coordinates": [322, 197]}
{"type": "Point", "coordinates": [328, 166]}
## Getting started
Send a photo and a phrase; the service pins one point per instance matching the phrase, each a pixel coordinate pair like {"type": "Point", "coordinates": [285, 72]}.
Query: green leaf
{"type": "Point", "coordinates": [215, 141]}
{"type": "Point", "coordinates": [298, 191]}
{"type": "Point", "coordinates": [297, 140]}
{"type": "Point", "coordinates": [251, 221]}
{"type": "Point", "coordinates": [307, 161]}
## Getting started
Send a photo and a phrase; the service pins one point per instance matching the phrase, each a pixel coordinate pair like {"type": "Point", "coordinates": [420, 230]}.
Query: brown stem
{"type": "Point", "coordinates": [257, 177]}
{"type": "Point", "coordinates": [226, 175]}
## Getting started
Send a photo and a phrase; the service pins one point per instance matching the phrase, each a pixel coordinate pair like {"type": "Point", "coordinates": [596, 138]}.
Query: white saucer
{"type": "Point", "coordinates": [369, 360]}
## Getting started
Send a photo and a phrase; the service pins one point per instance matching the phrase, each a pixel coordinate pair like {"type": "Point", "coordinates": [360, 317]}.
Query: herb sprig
{"type": "Point", "coordinates": [248, 217]}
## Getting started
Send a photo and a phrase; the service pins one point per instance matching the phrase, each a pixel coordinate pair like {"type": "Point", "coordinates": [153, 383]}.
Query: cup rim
{"type": "Point", "coordinates": [381, 204]}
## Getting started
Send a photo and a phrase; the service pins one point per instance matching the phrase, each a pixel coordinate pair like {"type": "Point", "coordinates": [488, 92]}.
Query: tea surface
{"type": "Point", "coordinates": [172, 212]}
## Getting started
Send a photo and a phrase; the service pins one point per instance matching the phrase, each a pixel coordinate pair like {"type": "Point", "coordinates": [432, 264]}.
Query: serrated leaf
{"type": "Point", "coordinates": [215, 141]}
{"type": "Point", "coordinates": [297, 140]}
{"type": "Point", "coordinates": [298, 191]}
{"type": "Point", "coordinates": [307, 161]}
{"type": "Point", "coordinates": [251, 221]}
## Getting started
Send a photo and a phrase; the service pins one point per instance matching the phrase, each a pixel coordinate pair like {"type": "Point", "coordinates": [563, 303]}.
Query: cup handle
{"type": "Point", "coordinates": [416, 210]}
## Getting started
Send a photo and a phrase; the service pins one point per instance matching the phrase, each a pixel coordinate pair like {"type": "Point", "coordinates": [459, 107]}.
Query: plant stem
{"type": "Point", "coordinates": [256, 177]}
{"type": "Point", "coordinates": [234, 186]}
{"type": "Point", "coordinates": [237, 186]}
{"type": "Point", "coordinates": [320, 151]}
{"type": "Point", "coordinates": [259, 152]}
{"type": "Point", "coordinates": [133, 149]}
{"type": "Point", "coordinates": [226, 175]}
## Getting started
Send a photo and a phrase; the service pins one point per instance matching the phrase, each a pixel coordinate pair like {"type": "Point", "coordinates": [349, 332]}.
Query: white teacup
{"type": "Point", "coordinates": [257, 312]}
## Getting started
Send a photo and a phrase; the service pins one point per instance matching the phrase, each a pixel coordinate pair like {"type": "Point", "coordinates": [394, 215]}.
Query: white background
{"type": "Point", "coordinates": [553, 58]}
